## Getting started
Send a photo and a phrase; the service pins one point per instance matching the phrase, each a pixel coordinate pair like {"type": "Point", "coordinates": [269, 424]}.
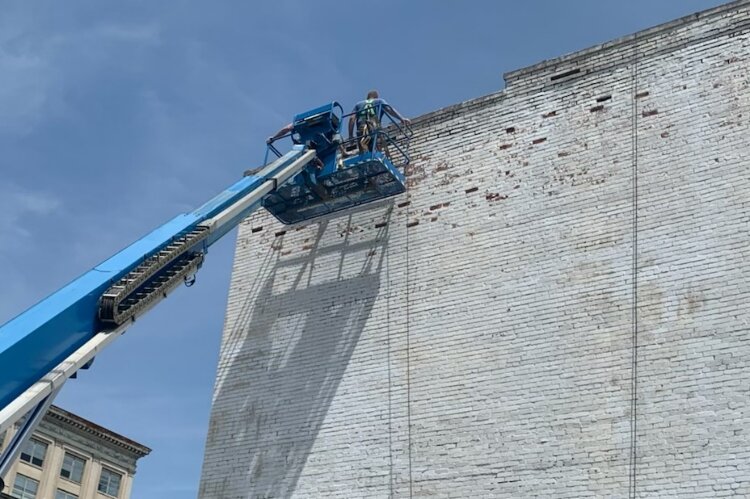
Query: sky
{"type": "Point", "coordinates": [116, 116]}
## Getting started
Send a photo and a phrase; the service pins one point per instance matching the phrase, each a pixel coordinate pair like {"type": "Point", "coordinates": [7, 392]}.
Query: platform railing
{"type": "Point", "coordinates": [271, 148]}
{"type": "Point", "coordinates": [390, 133]}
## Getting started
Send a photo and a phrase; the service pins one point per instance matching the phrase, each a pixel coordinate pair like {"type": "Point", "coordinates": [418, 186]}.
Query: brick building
{"type": "Point", "coordinates": [556, 308]}
{"type": "Point", "coordinates": [69, 457]}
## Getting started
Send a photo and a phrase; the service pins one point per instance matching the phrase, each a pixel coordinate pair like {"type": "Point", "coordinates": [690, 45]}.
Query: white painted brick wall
{"type": "Point", "coordinates": [487, 350]}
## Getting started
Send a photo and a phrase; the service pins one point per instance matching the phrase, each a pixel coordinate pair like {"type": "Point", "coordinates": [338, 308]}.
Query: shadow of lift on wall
{"type": "Point", "coordinates": [287, 354]}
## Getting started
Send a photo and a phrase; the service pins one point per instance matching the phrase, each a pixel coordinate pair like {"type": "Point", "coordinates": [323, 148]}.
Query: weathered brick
{"type": "Point", "coordinates": [475, 337]}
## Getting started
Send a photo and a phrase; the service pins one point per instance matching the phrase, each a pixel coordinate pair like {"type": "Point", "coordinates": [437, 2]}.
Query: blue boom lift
{"type": "Point", "coordinates": [321, 174]}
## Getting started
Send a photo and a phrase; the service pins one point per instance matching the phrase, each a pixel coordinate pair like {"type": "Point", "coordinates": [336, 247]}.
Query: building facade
{"type": "Point", "coordinates": [557, 307]}
{"type": "Point", "coordinates": [69, 457]}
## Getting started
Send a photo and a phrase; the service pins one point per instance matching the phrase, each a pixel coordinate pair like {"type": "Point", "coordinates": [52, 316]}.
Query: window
{"type": "Point", "coordinates": [109, 482]}
{"type": "Point", "coordinates": [33, 452]}
{"type": "Point", "coordinates": [72, 468]}
{"type": "Point", "coordinates": [61, 494]}
{"type": "Point", "coordinates": [24, 487]}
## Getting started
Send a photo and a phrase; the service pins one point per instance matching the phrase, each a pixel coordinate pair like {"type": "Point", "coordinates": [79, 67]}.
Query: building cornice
{"type": "Point", "coordinates": [66, 418]}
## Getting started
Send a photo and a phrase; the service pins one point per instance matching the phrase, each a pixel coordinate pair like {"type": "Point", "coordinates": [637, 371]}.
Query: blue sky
{"type": "Point", "coordinates": [115, 116]}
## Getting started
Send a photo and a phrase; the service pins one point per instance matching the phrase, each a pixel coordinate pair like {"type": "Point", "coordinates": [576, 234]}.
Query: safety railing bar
{"type": "Point", "coordinates": [383, 111]}
{"type": "Point", "coordinates": [389, 140]}
{"type": "Point", "coordinates": [270, 147]}
{"type": "Point", "coordinates": [397, 122]}
{"type": "Point", "coordinates": [398, 148]}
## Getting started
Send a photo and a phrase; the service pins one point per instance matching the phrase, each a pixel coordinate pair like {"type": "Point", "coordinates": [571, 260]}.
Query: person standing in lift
{"type": "Point", "coordinates": [367, 115]}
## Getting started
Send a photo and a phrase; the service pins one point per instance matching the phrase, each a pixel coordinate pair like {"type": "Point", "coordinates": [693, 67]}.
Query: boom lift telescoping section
{"type": "Point", "coordinates": [48, 343]}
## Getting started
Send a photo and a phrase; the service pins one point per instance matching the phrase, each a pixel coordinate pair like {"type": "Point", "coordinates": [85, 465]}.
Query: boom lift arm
{"type": "Point", "coordinates": [48, 343]}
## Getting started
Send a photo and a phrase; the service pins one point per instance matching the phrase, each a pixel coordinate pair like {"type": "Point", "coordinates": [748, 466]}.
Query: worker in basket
{"type": "Point", "coordinates": [367, 115]}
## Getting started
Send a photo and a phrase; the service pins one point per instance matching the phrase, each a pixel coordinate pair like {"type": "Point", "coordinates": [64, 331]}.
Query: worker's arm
{"type": "Point", "coordinates": [391, 110]}
{"type": "Point", "coordinates": [285, 130]}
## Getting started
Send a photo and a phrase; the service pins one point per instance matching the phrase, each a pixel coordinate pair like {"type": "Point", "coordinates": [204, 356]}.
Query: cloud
{"type": "Point", "coordinates": [146, 34]}
{"type": "Point", "coordinates": [38, 65]}
{"type": "Point", "coordinates": [26, 84]}
{"type": "Point", "coordinates": [17, 204]}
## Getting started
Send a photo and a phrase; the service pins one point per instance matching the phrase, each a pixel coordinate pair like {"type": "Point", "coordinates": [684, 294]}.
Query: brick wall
{"type": "Point", "coordinates": [554, 309]}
